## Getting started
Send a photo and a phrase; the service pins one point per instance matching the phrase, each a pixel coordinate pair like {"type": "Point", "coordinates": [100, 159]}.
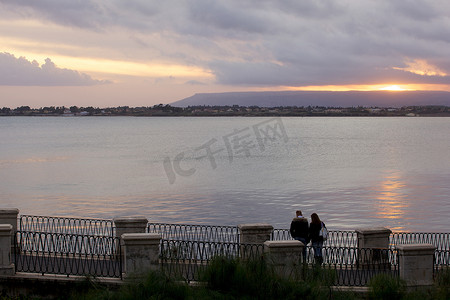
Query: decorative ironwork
{"type": "Point", "coordinates": [72, 246]}
{"type": "Point", "coordinates": [356, 266]}
{"type": "Point", "coordinates": [211, 233]}
{"type": "Point", "coordinates": [350, 266]}
{"type": "Point", "coordinates": [67, 254]}
{"type": "Point", "coordinates": [186, 259]}
{"type": "Point", "coordinates": [440, 240]}
{"type": "Point", "coordinates": [349, 238]}
{"type": "Point", "coordinates": [66, 225]}
{"type": "Point", "coordinates": [207, 233]}
{"type": "Point", "coordinates": [335, 238]}
{"type": "Point", "coordinates": [441, 261]}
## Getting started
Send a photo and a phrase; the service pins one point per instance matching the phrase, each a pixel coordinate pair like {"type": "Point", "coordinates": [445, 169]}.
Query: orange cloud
{"type": "Point", "coordinates": [422, 67]}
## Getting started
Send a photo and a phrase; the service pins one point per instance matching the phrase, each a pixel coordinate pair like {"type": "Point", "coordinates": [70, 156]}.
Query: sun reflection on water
{"type": "Point", "coordinates": [391, 200]}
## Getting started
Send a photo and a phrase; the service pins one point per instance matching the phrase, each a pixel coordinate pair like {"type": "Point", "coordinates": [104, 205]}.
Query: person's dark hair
{"type": "Point", "coordinates": [315, 219]}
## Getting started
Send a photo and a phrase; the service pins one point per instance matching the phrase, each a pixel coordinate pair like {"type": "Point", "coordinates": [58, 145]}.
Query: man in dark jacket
{"type": "Point", "coordinates": [300, 230]}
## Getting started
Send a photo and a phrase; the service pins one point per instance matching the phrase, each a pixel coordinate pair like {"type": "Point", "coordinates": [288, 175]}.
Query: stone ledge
{"type": "Point", "coordinates": [141, 238]}
{"type": "Point", "coordinates": [373, 230]}
{"type": "Point", "coordinates": [284, 244]}
{"type": "Point", "coordinates": [416, 249]}
{"type": "Point", "coordinates": [255, 227]}
{"type": "Point", "coordinates": [5, 229]}
{"type": "Point", "coordinates": [63, 278]}
{"type": "Point", "coordinates": [7, 270]}
{"type": "Point", "coordinates": [9, 211]}
{"type": "Point", "coordinates": [130, 220]}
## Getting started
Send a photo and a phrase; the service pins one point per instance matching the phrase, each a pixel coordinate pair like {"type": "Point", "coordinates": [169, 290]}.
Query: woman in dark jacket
{"type": "Point", "coordinates": [316, 239]}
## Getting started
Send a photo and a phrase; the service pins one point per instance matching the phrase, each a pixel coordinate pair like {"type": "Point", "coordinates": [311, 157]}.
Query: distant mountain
{"type": "Point", "coordinates": [306, 98]}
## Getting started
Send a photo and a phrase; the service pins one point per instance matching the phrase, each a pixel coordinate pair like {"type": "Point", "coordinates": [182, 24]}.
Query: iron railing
{"type": "Point", "coordinates": [349, 266]}
{"type": "Point", "coordinates": [62, 245]}
{"type": "Point", "coordinates": [335, 238]}
{"type": "Point", "coordinates": [67, 254]}
{"type": "Point", "coordinates": [440, 240]}
{"type": "Point", "coordinates": [211, 233]}
{"type": "Point", "coordinates": [206, 233]}
{"type": "Point", "coordinates": [187, 259]}
{"type": "Point", "coordinates": [355, 267]}
{"type": "Point", "coordinates": [441, 261]}
{"type": "Point", "coordinates": [349, 238]}
{"type": "Point", "coordinates": [66, 225]}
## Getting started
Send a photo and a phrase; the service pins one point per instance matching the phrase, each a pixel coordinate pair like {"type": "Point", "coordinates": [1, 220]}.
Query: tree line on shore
{"type": "Point", "coordinates": [234, 110]}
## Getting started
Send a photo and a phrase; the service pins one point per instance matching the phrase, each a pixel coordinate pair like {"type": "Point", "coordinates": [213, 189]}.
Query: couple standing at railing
{"type": "Point", "coordinates": [302, 231]}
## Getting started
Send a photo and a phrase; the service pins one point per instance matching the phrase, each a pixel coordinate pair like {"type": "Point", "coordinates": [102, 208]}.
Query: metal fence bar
{"type": "Point", "coordinates": [440, 240]}
{"type": "Point", "coordinates": [66, 225]}
{"type": "Point", "coordinates": [335, 238]}
{"type": "Point", "coordinates": [356, 267]}
{"type": "Point", "coordinates": [186, 232]}
{"type": "Point", "coordinates": [441, 261]}
{"type": "Point", "coordinates": [351, 266]}
{"type": "Point", "coordinates": [66, 243]}
{"type": "Point", "coordinates": [210, 232]}
{"type": "Point", "coordinates": [205, 251]}
{"type": "Point", "coordinates": [67, 254]}
{"type": "Point", "coordinates": [349, 238]}
{"type": "Point", "coordinates": [186, 259]}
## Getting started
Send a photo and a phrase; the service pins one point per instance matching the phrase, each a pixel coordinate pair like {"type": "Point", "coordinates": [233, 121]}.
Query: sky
{"type": "Point", "coordinates": [141, 53]}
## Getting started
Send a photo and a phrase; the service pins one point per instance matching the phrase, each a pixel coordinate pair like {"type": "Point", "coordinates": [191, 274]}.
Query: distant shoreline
{"type": "Point", "coordinates": [230, 111]}
{"type": "Point", "coordinates": [237, 116]}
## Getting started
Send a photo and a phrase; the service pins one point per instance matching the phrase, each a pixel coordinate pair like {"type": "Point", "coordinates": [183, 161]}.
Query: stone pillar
{"type": "Point", "coordinates": [284, 256]}
{"type": "Point", "coordinates": [141, 252]}
{"type": "Point", "coordinates": [130, 225]}
{"type": "Point", "coordinates": [253, 234]}
{"type": "Point", "coordinates": [377, 237]}
{"type": "Point", "coordinates": [9, 216]}
{"type": "Point", "coordinates": [373, 245]}
{"type": "Point", "coordinates": [415, 262]}
{"type": "Point", "coordinates": [6, 266]}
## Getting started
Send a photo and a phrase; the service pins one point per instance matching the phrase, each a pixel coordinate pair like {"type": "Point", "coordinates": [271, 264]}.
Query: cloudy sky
{"type": "Point", "coordinates": [110, 53]}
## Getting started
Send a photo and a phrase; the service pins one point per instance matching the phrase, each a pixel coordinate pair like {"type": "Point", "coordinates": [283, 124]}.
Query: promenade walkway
{"type": "Point", "coordinates": [78, 247]}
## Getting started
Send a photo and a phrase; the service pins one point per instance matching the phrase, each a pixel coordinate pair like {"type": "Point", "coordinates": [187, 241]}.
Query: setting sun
{"type": "Point", "coordinates": [368, 87]}
{"type": "Point", "coordinates": [392, 88]}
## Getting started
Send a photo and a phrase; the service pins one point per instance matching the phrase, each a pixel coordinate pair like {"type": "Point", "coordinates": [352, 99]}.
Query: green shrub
{"type": "Point", "coordinates": [226, 279]}
{"type": "Point", "coordinates": [443, 284]}
{"type": "Point", "coordinates": [384, 286]}
{"type": "Point", "coordinates": [235, 277]}
{"type": "Point", "coordinates": [254, 279]}
{"type": "Point", "coordinates": [154, 286]}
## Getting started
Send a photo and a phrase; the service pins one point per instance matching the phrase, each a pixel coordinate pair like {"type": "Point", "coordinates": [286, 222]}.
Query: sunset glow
{"type": "Point", "coordinates": [391, 202]}
{"type": "Point", "coordinates": [422, 67]}
{"type": "Point", "coordinates": [393, 88]}
{"type": "Point", "coordinates": [99, 49]}
{"type": "Point", "coordinates": [119, 67]}
{"type": "Point", "coordinates": [374, 87]}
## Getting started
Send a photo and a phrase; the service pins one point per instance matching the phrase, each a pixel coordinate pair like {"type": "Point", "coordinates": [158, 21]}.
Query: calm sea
{"type": "Point", "coordinates": [354, 172]}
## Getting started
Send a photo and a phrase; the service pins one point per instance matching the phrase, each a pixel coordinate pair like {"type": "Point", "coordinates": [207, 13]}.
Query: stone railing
{"type": "Point", "coordinates": [141, 250]}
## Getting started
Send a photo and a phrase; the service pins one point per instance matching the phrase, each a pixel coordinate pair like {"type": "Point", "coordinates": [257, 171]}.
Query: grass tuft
{"type": "Point", "coordinates": [384, 286]}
